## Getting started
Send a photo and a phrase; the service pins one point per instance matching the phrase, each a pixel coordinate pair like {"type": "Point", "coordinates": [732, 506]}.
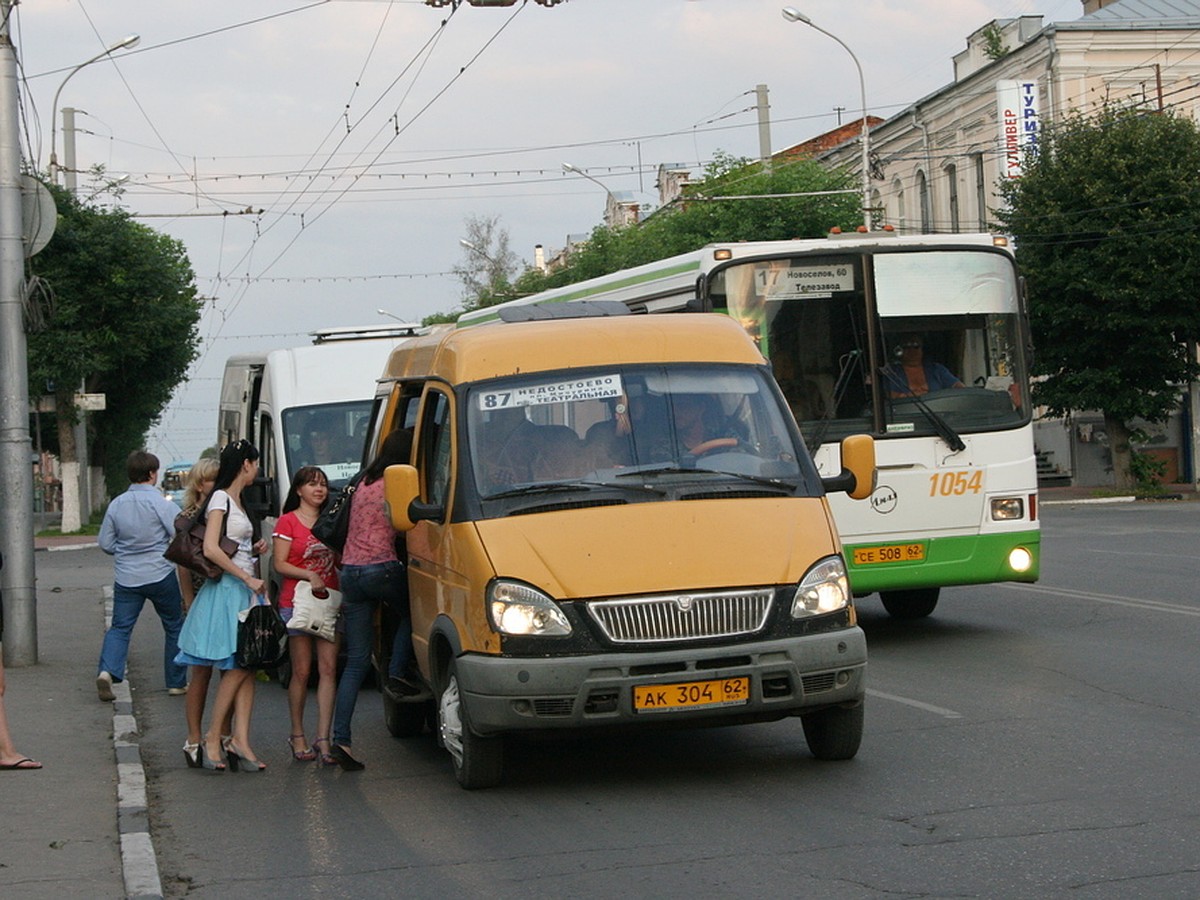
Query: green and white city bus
{"type": "Point", "coordinates": [921, 341]}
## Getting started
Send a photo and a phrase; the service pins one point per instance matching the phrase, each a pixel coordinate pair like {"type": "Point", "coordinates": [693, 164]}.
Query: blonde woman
{"type": "Point", "coordinates": [198, 486]}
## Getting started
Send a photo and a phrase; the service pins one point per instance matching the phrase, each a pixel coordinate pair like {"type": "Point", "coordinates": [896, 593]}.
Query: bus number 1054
{"type": "Point", "coordinates": [955, 484]}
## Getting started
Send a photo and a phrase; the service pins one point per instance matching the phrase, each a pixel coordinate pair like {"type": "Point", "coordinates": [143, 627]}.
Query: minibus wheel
{"type": "Point", "coordinates": [911, 604]}
{"type": "Point", "coordinates": [834, 733]}
{"type": "Point", "coordinates": [478, 761]}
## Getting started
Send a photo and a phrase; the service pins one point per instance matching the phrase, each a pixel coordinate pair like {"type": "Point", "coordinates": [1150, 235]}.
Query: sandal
{"type": "Point", "coordinates": [326, 758]}
{"type": "Point", "coordinates": [191, 754]}
{"type": "Point", "coordinates": [308, 754]}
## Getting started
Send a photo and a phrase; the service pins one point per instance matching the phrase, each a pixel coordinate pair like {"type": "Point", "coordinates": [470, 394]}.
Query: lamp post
{"type": "Point", "coordinates": [794, 15]}
{"type": "Point", "coordinates": [123, 44]}
{"type": "Point", "coordinates": [575, 170]}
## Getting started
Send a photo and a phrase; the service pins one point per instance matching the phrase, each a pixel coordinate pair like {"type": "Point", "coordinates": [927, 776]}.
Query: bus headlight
{"type": "Point", "coordinates": [1020, 559]}
{"type": "Point", "coordinates": [519, 609]}
{"type": "Point", "coordinates": [823, 589]}
{"type": "Point", "coordinates": [1006, 508]}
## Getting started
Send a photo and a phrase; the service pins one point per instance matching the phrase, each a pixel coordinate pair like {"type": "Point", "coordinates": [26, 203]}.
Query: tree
{"type": "Point", "coordinates": [755, 211]}
{"type": "Point", "coordinates": [1105, 223]}
{"type": "Point", "coordinates": [488, 263]}
{"type": "Point", "coordinates": [120, 318]}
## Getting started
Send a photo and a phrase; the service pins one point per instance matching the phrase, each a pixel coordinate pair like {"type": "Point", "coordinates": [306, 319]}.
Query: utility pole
{"type": "Point", "coordinates": [84, 481]}
{"type": "Point", "coordinates": [764, 123]}
{"type": "Point", "coordinates": [16, 470]}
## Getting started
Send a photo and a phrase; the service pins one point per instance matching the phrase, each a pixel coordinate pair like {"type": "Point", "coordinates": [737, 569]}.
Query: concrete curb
{"type": "Point", "coordinates": [66, 547]}
{"type": "Point", "coordinates": [139, 862]}
{"type": "Point", "coordinates": [1089, 500]}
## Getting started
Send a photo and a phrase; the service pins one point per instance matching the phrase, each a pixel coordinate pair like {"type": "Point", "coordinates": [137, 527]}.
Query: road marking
{"type": "Point", "coordinates": [1113, 599]}
{"type": "Point", "coordinates": [917, 704]}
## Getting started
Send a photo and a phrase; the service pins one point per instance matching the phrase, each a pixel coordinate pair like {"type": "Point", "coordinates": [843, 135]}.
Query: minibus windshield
{"type": "Point", "coordinates": [585, 428]}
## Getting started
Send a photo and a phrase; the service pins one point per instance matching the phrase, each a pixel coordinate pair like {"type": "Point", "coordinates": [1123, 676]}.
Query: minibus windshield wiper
{"type": "Point", "coordinates": [671, 469]}
{"type": "Point", "coordinates": [556, 487]}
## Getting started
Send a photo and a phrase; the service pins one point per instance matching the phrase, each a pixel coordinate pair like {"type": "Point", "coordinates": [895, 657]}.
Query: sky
{"type": "Point", "coordinates": [319, 158]}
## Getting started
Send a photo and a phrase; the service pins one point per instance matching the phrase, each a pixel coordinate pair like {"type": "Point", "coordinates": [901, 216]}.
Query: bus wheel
{"type": "Point", "coordinates": [478, 761]}
{"type": "Point", "coordinates": [403, 720]}
{"type": "Point", "coordinates": [913, 604]}
{"type": "Point", "coordinates": [834, 733]}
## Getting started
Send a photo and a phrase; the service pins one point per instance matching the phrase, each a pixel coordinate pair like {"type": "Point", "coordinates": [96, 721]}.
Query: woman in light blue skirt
{"type": "Point", "coordinates": [209, 635]}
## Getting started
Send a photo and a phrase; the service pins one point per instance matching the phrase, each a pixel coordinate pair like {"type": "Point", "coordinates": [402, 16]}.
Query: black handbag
{"type": "Point", "coordinates": [333, 524]}
{"type": "Point", "coordinates": [187, 546]}
{"type": "Point", "coordinates": [261, 637]}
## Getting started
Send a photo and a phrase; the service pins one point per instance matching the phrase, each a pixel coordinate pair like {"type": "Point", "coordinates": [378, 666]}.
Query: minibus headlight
{"type": "Point", "coordinates": [518, 609]}
{"type": "Point", "coordinates": [823, 589]}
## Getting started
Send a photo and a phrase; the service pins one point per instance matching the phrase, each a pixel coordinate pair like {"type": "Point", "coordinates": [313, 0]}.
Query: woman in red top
{"type": "Point", "coordinates": [299, 555]}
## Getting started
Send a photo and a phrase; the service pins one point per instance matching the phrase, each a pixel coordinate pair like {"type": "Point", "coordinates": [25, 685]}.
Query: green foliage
{"type": "Point", "coordinates": [1105, 221]}
{"type": "Point", "coordinates": [695, 220]}
{"type": "Point", "coordinates": [1148, 471]}
{"type": "Point", "coordinates": [123, 320]}
{"type": "Point", "coordinates": [993, 42]}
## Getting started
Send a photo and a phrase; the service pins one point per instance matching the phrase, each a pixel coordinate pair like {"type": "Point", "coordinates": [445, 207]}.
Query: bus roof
{"type": "Point", "coordinates": [668, 284]}
{"type": "Point", "coordinates": [511, 348]}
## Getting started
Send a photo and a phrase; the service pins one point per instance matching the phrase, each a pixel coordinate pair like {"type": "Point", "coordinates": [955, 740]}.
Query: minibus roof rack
{"type": "Point", "coordinates": [571, 309]}
{"type": "Point", "coordinates": [365, 332]}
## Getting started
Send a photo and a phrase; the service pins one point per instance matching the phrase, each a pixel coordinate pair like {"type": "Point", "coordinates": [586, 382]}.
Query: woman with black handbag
{"type": "Point", "coordinates": [371, 574]}
{"type": "Point", "coordinates": [210, 632]}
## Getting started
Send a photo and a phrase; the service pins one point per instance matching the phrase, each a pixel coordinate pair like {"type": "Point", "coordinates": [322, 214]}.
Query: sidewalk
{"type": "Point", "coordinates": [59, 836]}
{"type": "Point", "coordinates": [1073, 494]}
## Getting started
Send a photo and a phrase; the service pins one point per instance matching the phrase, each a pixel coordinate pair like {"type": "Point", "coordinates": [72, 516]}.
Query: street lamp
{"type": "Point", "coordinates": [123, 44]}
{"type": "Point", "coordinates": [476, 250]}
{"type": "Point", "coordinates": [793, 15]}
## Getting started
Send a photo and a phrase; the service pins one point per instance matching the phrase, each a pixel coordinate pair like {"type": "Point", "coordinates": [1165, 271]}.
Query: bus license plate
{"type": "Point", "coordinates": [691, 695]}
{"type": "Point", "coordinates": [891, 553]}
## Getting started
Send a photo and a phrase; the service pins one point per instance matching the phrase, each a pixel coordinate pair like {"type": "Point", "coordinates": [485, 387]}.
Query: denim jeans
{"type": "Point", "coordinates": [363, 587]}
{"type": "Point", "coordinates": [127, 606]}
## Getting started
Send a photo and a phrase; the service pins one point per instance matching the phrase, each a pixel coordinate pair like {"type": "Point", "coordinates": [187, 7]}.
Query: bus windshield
{"type": "Point", "coordinates": [895, 343]}
{"type": "Point", "coordinates": [330, 436]}
{"type": "Point", "coordinates": [588, 428]}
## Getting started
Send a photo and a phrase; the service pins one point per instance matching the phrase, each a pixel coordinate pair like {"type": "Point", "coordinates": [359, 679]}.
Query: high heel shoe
{"type": "Point", "coordinates": [308, 754]}
{"type": "Point", "coordinates": [343, 758]}
{"type": "Point", "coordinates": [191, 754]}
{"type": "Point", "coordinates": [324, 758]}
{"type": "Point", "coordinates": [214, 765]}
{"type": "Point", "coordinates": [240, 762]}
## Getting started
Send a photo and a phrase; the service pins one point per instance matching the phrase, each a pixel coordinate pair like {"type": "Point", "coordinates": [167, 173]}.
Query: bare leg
{"type": "Point", "coordinates": [197, 694]}
{"type": "Point", "coordinates": [231, 681]}
{"type": "Point", "coordinates": [243, 708]}
{"type": "Point", "coordinates": [8, 753]}
{"type": "Point", "coordinates": [327, 653]}
{"type": "Point", "coordinates": [300, 648]}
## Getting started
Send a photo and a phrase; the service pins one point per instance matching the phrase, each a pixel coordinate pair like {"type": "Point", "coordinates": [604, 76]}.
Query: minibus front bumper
{"type": "Point", "coordinates": [745, 682]}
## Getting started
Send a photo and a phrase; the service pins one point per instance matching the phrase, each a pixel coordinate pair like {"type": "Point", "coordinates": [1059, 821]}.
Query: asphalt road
{"type": "Point", "coordinates": [1036, 740]}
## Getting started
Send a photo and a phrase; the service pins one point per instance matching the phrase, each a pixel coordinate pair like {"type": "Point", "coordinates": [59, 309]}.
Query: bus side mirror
{"type": "Point", "coordinates": [857, 477]}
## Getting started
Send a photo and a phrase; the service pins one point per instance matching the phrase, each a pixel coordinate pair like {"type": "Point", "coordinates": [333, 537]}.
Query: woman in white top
{"type": "Point", "coordinates": [209, 635]}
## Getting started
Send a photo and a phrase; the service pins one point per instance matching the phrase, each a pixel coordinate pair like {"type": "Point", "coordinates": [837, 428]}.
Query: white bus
{"type": "Point", "coordinates": [307, 405]}
{"type": "Point", "coordinates": [921, 341]}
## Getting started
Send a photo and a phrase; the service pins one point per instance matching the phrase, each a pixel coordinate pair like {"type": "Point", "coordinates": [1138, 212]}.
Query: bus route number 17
{"type": "Point", "coordinates": [955, 484]}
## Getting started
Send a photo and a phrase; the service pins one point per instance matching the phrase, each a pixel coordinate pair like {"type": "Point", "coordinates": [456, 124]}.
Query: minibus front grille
{"type": "Point", "coordinates": [682, 617]}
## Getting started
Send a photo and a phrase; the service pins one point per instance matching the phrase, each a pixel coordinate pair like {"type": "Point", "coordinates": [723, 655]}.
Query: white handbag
{"type": "Point", "coordinates": [315, 615]}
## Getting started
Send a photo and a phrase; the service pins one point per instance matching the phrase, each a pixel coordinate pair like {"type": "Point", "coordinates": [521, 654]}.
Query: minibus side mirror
{"type": "Point", "coordinates": [259, 497]}
{"type": "Point", "coordinates": [402, 493]}
{"type": "Point", "coordinates": [857, 477]}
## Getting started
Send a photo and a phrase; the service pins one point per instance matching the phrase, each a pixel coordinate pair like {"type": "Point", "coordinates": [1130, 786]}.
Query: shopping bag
{"type": "Point", "coordinates": [261, 636]}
